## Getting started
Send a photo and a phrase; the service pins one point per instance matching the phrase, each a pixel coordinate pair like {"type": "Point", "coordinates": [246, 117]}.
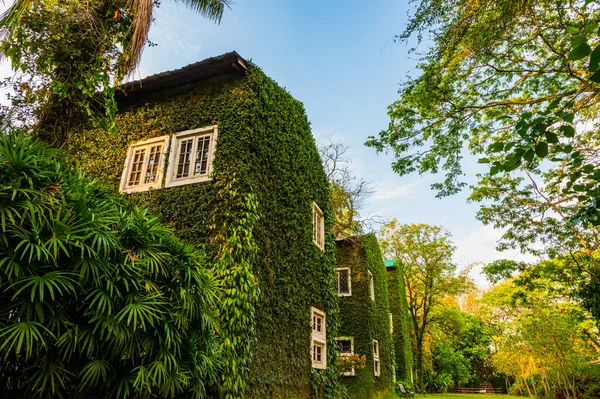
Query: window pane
{"type": "Point", "coordinates": [183, 164]}
{"type": "Point", "coordinates": [153, 164]}
{"type": "Point", "coordinates": [201, 161]}
{"type": "Point", "coordinates": [345, 346]}
{"type": "Point", "coordinates": [136, 167]}
{"type": "Point", "coordinates": [343, 281]}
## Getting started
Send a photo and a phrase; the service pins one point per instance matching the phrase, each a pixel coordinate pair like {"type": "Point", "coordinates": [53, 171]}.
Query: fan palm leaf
{"type": "Point", "coordinates": [142, 11]}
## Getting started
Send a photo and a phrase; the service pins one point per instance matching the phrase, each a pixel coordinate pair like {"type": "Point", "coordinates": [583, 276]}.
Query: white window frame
{"type": "Point", "coordinates": [318, 337]}
{"type": "Point", "coordinates": [376, 361]}
{"type": "Point", "coordinates": [318, 226]}
{"type": "Point", "coordinates": [171, 180]}
{"type": "Point", "coordinates": [371, 286]}
{"type": "Point", "coordinates": [349, 293]}
{"type": "Point", "coordinates": [353, 372]}
{"type": "Point", "coordinates": [123, 186]}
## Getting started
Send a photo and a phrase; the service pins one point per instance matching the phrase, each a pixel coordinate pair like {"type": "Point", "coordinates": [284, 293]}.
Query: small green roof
{"type": "Point", "coordinates": [389, 262]}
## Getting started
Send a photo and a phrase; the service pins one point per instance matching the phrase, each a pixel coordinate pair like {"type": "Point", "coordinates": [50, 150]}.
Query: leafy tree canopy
{"type": "Point", "coordinates": [515, 83]}
{"type": "Point", "coordinates": [67, 54]}
{"type": "Point", "coordinates": [97, 299]}
{"type": "Point", "coordinates": [547, 343]}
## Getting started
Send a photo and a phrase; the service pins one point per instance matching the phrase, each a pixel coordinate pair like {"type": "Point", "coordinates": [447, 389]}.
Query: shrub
{"type": "Point", "coordinates": [97, 298]}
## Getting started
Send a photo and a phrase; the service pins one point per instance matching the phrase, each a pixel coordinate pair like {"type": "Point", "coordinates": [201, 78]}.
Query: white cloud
{"type": "Point", "coordinates": [385, 191]}
{"type": "Point", "coordinates": [478, 248]}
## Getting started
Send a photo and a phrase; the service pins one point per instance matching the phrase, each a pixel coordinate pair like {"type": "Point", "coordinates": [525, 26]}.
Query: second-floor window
{"type": "Point", "coordinates": [191, 156]}
{"type": "Point", "coordinates": [344, 286]}
{"type": "Point", "coordinates": [144, 165]}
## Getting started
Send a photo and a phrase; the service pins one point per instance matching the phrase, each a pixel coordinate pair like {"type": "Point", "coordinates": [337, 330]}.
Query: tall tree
{"type": "Point", "coordinates": [424, 255]}
{"type": "Point", "coordinates": [515, 83]}
{"type": "Point", "coordinates": [68, 54]}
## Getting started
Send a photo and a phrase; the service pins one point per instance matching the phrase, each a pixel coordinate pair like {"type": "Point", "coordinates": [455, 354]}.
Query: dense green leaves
{"type": "Point", "coordinates": [513, 83]}
{"type": "Point", "coordinates": [98, 299]}
{"type": "Point", "coordinates": [253, 217]}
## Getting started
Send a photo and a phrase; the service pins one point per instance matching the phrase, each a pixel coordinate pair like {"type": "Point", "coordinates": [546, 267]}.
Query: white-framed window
{"type": "Point", "coordinates": [391, 323]}
{"type": "Point", "coordinates": [346, 348]}
{"type": "Point", "coordinates": [318, 226]}
{"type": "Point", "coordinates": [344, 283]}
{"type": "Point", "coordinates": [144, 165]}
{"type": "Point", "coordinates": [376, 363]}
{"type": "Point", "coordinates": [318, 342]}
{"type": "Point", "coordinates": [191, 156]}
{"type": "Point", "coordinates": [371, 286]}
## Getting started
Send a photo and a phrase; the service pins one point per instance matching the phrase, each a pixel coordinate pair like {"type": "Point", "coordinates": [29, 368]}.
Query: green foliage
{"type": "Point", "coordinates": [423, 254]}
{"type": "Point", "coordinates": [515, 83]}
{"type": "Point", "coordinates": [66, 53]}
{"type": "Point", "coordinates": [547, 343]}
{"type": "Point", "coordinates": [460, 348]}
{"type": "Point", "coordinates": [63, 54]}
{"type": "Point", "coordinates": [364, 319]}
{"type": "Point", "coordinates": [98, 298]}
{"type": "Point", "coordinates": [254, 218]}
{"type": "Point", "coordinates": [401, 322]}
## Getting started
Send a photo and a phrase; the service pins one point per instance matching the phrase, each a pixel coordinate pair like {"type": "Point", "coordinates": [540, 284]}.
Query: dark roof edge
{"type": "Point", "coordinates": [226, 63]}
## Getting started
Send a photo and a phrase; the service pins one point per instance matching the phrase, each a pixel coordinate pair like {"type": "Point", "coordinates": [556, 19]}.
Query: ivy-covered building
{"type": "Point", "coordinates": [400, 319]}
{"type": "Point", "coordinates": [226, 157]}
{"type": "Point", "coordinates": [366, 324]}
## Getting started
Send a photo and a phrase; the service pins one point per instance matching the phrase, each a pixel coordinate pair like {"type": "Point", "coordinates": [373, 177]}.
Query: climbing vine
{"type": "Point", "coordinates": [364, 319]}
{"type": "Point", "coordinates": [255, 219]}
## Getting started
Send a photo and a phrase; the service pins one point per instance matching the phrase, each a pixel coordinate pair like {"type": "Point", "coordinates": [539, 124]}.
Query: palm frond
{"type": "Point", "coordinates": [211, 9]}
{"type": "Point", "coordinates": [23, 336]}
{"type": "Point", "coordinates": [138, 36]}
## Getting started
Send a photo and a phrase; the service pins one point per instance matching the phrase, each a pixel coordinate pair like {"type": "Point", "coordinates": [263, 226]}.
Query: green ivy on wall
{"type": "Point", "coordinates": [365, 319]}
{"type": "Point", "coordinates": [254, 217]}
{"type": "Point", "coordinates": [401, 334]}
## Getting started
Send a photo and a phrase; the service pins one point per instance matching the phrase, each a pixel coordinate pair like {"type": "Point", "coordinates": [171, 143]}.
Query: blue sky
{"type": "Point", "coordinates": [339, 59]}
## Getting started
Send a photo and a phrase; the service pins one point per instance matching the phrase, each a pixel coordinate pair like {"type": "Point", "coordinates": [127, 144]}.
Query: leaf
{"type": "Point", "coordinates": [595, 77]}
{"type": "Point", "coordinates": [594, 60]}
{"type": "Point", "coordinates": [551, 137]}
{"type": "Point", "coordinates": [541, 149]}
{"type": "Point", "coordinates": [572, 29]}
{"type": "Point", "coordinates": [512, 165]}
{"type": "Point", "coordinates": [496, 147]}
{"type": "Point", "coordinates": [483, 160]}
{"type": "Point", "coordinates": [528, 156]}
{"type": "Point", "coordinates": [580, 52]}
{"type": "Point", "coordinates": [567, 130]}
{"type": "Point", "coordinates": [578, 40]}
{"type": "Point", "coordinates": [568, 117]}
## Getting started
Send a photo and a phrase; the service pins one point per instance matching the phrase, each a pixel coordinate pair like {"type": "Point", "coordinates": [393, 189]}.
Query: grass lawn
{"type": "Point", "coordinates": [470, 396]}
{"type": "Point", "coordinates": [457, 396]}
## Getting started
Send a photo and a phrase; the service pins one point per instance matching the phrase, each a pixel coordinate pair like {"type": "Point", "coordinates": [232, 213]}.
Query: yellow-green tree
{"type": "Point", "coordinates": [424, 255]}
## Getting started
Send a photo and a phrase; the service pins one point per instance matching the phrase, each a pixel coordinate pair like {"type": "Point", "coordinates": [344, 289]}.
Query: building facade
{"type": "Point", "coordinates": [226, 157]}
{"type": "Point", "coordinates": [366, 322]}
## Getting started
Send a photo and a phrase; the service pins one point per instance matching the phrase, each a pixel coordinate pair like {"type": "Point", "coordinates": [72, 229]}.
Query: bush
{"type": "Point", "coordinates": [97, 299]}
